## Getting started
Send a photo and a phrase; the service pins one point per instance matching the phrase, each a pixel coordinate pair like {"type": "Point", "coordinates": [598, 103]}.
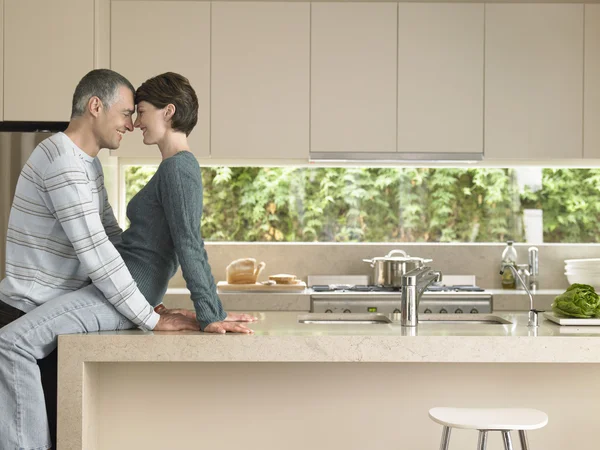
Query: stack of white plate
{"type": "Point", "coordinates": [584, 271]}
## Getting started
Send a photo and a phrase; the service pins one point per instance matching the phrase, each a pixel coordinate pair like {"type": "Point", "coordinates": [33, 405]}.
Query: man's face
{"type": "Point", "coordinates": [115, 121]}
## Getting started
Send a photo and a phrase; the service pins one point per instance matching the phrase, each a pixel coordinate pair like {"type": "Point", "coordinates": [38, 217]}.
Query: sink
{"type": "Point", "coordinates": [344, 319]}
{"type": "Point", "coordinates": [463, 319]}
{"type": "Point", "coordinates": [382, 319]}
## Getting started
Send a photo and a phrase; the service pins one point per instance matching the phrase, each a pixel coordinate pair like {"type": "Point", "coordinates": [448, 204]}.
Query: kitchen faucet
{"type": "Point", "coordinates": [534, 268]}
{"type": "Point", "coordinates": [533, 314]}
{"type": "Point", "coordinates": [414, 284]}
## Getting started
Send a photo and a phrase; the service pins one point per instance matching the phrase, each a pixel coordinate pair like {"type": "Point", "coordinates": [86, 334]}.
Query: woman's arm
{"type": "Point", "coordinates": [180, 194]}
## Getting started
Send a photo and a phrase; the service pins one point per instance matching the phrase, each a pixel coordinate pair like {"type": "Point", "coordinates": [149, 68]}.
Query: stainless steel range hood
{"type": "Point", "coordinates": [395, 157]}
{"type": "Point", "coordinates": [33, 127]}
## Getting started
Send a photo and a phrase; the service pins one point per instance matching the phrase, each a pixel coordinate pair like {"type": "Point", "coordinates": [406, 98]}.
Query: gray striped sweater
{"type": "Point", "coordinates": [62, 232]}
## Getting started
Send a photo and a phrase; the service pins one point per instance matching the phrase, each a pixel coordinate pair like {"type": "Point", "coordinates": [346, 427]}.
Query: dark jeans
{"type": "Point", "coordinates": [48, 370]}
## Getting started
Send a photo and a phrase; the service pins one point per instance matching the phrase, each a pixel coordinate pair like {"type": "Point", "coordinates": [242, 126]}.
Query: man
{"type": "Point", "coordinates": [61, 237]}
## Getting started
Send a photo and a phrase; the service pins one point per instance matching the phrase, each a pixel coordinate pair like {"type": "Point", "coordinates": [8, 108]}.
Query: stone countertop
{"type": "Point", "coordinates": [279, 337]}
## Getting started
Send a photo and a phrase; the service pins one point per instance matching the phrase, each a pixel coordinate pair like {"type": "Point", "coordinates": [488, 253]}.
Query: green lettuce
{"type": "Point", "coordinates": [580, 300]}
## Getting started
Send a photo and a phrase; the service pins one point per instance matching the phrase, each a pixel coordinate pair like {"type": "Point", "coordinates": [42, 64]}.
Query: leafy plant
{"type": "Point", "coordinates": [389, 204]}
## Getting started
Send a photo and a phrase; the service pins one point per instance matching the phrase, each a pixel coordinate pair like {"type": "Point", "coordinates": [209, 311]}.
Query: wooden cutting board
{"type": "Point", "coordinates": [573, 321]}
{"type": "Point", "coordinates": [223, 286]}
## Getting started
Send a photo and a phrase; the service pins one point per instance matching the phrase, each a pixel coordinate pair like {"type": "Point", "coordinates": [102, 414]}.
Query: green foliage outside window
{"type": "Point", "coordinates": [389, 204]}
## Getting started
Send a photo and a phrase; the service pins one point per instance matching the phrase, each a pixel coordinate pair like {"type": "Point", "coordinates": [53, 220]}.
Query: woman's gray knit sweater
{"type": "Point", "coordinates": [165, 232]}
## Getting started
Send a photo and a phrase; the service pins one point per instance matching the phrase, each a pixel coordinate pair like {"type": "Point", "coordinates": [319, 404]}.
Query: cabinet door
{"type": "Point", "coordinates": [48, 48]}
{"type": "Point", "coordinates": [152, 37]}
{"type": "Point", "coordinates": [534, 81]}
{"type": "Point", "coordinates": [260, 80]}
{"type": "Point", "coordinates": [440, 77]}
{"type": "Point", "coordinates": [353, 77]}
{"type": "Point", "coordinates": [591, 98]}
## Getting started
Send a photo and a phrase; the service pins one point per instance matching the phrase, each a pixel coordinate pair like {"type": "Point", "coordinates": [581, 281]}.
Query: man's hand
{"type": "Point", "coordinates": [170, 321]}
{"type": "Point", "coordinates": [227, 327]}
{"type": "Point", "coordinates": [233, 317]}
{"type": "Point", "coordinates": [160, 309]}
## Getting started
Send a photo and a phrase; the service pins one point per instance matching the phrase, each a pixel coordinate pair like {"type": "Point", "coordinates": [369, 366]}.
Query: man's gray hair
{"type": "Point", "coordinates": [102, 83]}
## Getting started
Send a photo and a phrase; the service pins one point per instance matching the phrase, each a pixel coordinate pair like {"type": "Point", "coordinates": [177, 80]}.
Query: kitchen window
{"type": "Point", "coordinates": [290, 204]}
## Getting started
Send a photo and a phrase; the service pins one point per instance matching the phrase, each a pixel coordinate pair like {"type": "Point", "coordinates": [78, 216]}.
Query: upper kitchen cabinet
{"type": "Point", "coordinates": [534, 81]}
{"type": "Point", "coordinates": [141, 47]}
{"type": "Point", "coordinates": [591, 98]}
{"type": "Point", "coordinates": [260, 80]}
{"type": "Point", "coordinates": [353, 77]}
{"type": "Point", "coordinates": [48, 48]}
{"type": "Point", "coordinates": [440, 78]}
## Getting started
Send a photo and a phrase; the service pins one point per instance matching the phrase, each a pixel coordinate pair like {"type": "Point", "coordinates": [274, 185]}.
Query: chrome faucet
{"type": "Point", "coordinates": [534, 268]}
{"type": "Point", "coordinates": [533, 314]}
{"type": "Point", "coordinates": [414, 284]}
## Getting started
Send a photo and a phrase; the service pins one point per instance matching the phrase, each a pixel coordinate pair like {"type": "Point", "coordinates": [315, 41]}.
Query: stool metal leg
{"type": "Point", "coordinates": [507, 440]}
{"type": "Point", "coordinates": [482, 442]}
{"type": "Point", "coordinates": [445, 438]}
{"type": "Point", "coordinates": [523, 439]}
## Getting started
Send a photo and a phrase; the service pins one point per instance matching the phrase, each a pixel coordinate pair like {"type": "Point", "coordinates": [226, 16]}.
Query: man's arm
{"type": "Point", "coordinates": [66, 186]}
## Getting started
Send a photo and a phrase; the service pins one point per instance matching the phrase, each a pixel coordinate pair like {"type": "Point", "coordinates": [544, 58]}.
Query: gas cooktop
{"type": "Point", "coordinates": [374, 288]}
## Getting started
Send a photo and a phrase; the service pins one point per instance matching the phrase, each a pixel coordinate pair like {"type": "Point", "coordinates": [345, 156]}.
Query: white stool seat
{"type": "Point", "coordinates": [490, 418]}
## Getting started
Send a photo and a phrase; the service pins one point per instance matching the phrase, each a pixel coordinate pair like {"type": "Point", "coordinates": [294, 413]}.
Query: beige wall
{"type": "Point", "coordinates": [481, 260]}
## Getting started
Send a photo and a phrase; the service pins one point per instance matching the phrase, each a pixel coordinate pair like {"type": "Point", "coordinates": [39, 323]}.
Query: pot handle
{"type": "Point", "coordinates": [393, 252]}
{"type": "Point", "coordinates": [370, 261]}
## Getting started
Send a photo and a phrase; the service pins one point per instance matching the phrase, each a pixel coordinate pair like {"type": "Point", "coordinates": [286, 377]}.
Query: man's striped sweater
{"type": "Point", "coordinates": [62, 232]}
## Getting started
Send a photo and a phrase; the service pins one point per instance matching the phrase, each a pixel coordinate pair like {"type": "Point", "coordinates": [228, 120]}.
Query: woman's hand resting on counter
{"type": "Point", "coordinates": [185, 319]}
{"type": "Point", "coordinates": [227, 327]}
{"type": "Point", "coordinates": [231, 324]}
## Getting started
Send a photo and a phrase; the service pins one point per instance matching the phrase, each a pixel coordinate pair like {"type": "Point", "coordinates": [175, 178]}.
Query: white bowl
{"type": "Point", "coordinates": [590, 271]}
{"type": "Point", "coordinates": [582, 262]}
{"type": "Point", "coordinates": [592, 280]}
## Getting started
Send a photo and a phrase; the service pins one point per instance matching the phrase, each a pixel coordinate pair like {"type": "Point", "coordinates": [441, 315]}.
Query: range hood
{"type": "Point", "coordinates": [394, 157]}
{"type": "Point", "coordinates": [33, 127]}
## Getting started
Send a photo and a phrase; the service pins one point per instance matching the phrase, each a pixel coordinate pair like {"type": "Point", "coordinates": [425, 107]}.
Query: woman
{"type": "Point", "coordinates": [165, 231]}
{"type": "Point", "coordinates": [165, 215]}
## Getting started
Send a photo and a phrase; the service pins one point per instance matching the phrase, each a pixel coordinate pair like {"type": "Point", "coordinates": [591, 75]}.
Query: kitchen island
{"type": "Point", "coordinates": [297, 386]}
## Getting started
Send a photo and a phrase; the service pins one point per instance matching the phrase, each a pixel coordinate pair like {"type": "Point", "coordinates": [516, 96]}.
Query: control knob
{"type": "Point", "coordinates": [328, 311]}
{"type": "Point", "coordinates": [443, 311]}
{"type": "Point", "coordinates": [427, 311]}
{"type": "Point", "coordinates": [396, 311]}
{"type": "Point", "coordinates": [347, 311]}
{"type": "Point", "coordinates": [458, 311]}
{"type": "Point", "coordinates": [474, 311]}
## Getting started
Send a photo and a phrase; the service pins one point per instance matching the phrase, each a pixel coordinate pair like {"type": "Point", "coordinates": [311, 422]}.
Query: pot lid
{"type": "Point", "coordinates": [400, 259]}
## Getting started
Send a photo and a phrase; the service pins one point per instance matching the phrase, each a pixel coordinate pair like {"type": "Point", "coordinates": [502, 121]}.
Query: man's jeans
{"type": "Point", "coordinates": [32, 337]}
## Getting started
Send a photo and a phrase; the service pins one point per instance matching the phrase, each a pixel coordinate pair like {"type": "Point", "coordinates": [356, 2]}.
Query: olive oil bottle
{"type": "Point", "coordinates": [509, 256]}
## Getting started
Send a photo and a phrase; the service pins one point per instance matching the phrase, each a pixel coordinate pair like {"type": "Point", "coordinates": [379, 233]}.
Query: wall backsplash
{"type": "Point", "coordinates": [481, 260]}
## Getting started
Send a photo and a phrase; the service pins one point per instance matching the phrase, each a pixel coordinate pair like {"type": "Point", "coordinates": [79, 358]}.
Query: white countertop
{"type": "Point", "coordinates": [279, 337]}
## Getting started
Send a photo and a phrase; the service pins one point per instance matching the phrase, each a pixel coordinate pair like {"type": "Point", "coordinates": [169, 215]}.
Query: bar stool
{"type": "Point", "coordinates": [504, 420]}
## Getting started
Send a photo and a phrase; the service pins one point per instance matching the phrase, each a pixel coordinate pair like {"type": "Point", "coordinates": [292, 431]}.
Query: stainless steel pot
{"type": "Point", "coordinates": [388, 270]}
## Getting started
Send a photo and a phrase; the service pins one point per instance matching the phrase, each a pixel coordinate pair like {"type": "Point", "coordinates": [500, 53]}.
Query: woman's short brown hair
{"type": "Point", "coordinates": [173, 88]}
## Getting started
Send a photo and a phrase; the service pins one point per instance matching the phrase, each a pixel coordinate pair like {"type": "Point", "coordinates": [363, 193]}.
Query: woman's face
{"type": "Point", "coordinates": [151, 121]}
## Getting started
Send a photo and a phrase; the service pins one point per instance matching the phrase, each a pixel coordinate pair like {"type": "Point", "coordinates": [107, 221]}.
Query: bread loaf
{"type": "Point", "coordinates": [243, 271]}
